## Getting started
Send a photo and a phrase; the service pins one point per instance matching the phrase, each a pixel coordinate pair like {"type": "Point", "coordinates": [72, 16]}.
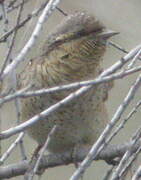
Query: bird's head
{"type": "Point", "coordinates": [78, 26]}
{"type": "Point", "coordinates": [78, 45]}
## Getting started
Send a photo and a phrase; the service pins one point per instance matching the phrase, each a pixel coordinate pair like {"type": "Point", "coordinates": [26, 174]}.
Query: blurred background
{"type": "Point", "coordinates": [121, 16]}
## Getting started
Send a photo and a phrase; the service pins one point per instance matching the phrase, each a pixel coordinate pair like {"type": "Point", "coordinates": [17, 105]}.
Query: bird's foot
{"type": "Point", "coordinates": [30, 171]}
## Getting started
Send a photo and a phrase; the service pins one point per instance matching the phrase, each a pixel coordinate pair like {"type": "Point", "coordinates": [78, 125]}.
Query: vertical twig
{"type": "Point", "coordinates": [44, 148]}
{"type": "Point", "coordinates": [11, 148]}
{"type": "Point", "coordinates": [45, 14]}
{"type": "Point", "coordinates": [99, 145]}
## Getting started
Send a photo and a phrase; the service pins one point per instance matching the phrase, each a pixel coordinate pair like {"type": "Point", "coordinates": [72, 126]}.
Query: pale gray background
{"type": "Point", "coordinates": [123, 16]}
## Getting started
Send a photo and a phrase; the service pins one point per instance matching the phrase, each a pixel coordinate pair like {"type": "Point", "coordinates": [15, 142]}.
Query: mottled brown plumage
{"type": "Point", "coordinates": [73, 52]}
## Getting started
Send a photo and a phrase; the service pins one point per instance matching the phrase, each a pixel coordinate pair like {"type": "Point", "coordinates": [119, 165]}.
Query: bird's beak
{"type": "Point", "coordinates": [106, 34]}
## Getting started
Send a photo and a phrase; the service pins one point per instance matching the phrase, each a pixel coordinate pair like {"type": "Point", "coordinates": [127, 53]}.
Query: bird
{"type": "Point", "coordinates": [72, 52]}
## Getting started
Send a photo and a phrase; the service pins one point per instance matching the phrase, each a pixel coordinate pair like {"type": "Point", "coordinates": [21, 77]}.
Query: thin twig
{"type": "Point", "coordinates": [79, 92]}
{"type": "Point", "coordinates": [19, 13]}
{"type": "Point", "coordinates": [116, 175]}
{"type": "Point", "coordinates": [131, 160]}
{"type": "Point", "coordinates": [122, 124]}
{"type": "Point", "coordinates": [99, 145]}
{"type": "Point", "coordinates": [131, 64]}
{"type": "Point", "coordinates": [12, 43]}
{"type": "Point", "coordinates": [11, 148]}
{"type": "Point", "coordinates": [11, 3]}
{"type": "Point", "coordinates": [57, 159]}
{"type": "Point", "coordinates": [61, 11]}
{"type": "Point", "coordinates": [35, 13]}
{"type": "Point", "coordinates": [23, 94]}
{"type": "Point", "coordinates": [20, 57]}
{"type": "Point", "coordinates": [4, 16]}
{"type": "Point", "coordinates": [137, 174]}
{"type": "Point", "coordinates": [44, 148]}
{"type": "Point", "coordinates": [6, 21]}
{"type": "Point", "coordinates": [117, 47]}
{"type": "Point", "coordinates": [10, 8]}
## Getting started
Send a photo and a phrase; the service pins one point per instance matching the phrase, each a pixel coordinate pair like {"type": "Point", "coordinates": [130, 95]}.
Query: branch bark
{"type": "Point", "coordinates": [52, 160]}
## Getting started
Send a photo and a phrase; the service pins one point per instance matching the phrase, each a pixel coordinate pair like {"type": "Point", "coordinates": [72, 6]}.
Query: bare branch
{"type": "Point", "coordinates": [23, 22]}
{"type": "Point", "coordinates": [22, 94]}
{"type": "Point", "coordinates": [118, 47]}
{"type": "Point", "coordinates": [58, 159]}
{"type": "Point", "coordinates": [44, 148]}
{"type": "Point", "coordinates": [117, 174]}
{"type": "Point", "coordinates": [137, 174]}
{"type": "Point", "coordinates": [12, 43]}
{"type": "Point", "coordinates": [45, 14]}
{"type": "Point", "coordinates": [99, 145]}
{"type": "Point", "coordinates": [130, 162]}
{"type": "Point", "coordinates": [11, 148]}
{"type": "Point", "coordinates": [134, 59]}
{"type": "Point", "coordinates": [45, 113]}
{"type": "Point", "coordinates": [122, 124]}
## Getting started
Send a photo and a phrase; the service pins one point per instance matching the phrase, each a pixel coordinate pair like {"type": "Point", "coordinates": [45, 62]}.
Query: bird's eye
{"type": "Point", "coordinates": [65, 56]}
{"type": "Point", "coordinates": [80, 33]}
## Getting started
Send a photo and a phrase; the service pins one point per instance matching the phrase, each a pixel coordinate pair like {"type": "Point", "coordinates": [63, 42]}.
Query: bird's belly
{"type": "Point", "coordinates": [76, 122]}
